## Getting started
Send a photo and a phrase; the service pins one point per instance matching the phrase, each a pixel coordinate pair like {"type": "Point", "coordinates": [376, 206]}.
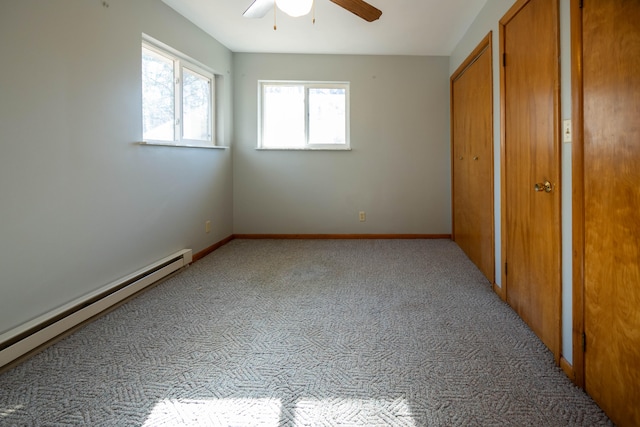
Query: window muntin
{"type": "Point", "coordinates": [304, 115]}
{"type": "Point", "coordinates": [178, 98]}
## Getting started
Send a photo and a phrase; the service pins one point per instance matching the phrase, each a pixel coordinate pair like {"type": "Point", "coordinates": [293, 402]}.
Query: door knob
{"type": "Point", "coordinates": [543, 186]}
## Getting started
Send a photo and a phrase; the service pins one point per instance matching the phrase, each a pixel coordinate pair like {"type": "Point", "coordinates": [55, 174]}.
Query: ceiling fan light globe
{"type": "Point", "coordinates": [295, 8]}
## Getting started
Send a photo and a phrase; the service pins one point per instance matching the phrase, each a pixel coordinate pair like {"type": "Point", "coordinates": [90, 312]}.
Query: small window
{"type": "Point", "coordinates": [177, 98]}
{"type": "Point", "coordinates": [304, 115]}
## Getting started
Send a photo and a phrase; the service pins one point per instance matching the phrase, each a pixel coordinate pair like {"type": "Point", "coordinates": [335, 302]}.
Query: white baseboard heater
{"type": "Point", "coordinates": [39, 331]}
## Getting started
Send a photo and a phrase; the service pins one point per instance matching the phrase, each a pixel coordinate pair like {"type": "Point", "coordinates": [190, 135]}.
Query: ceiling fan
{"type": "Point", "coordinates": [364, 10]}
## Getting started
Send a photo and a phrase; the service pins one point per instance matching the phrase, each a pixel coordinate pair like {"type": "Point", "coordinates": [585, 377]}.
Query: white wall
{"type": "Point", "coordinates": [567, 230]}
{"type": "Point", "coordinates": [488, 20]}
{"type": "Point", "coordinates": [81, 204]}
{"type": "Point", "coordinates": [398, 171]}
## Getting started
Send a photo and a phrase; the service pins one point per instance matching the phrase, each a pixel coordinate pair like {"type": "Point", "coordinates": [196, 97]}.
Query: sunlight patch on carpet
{"type": "Point", "coordinates": [218, 412]}
{"type": "Point", "coordinates": [265, 412]}
{"type": "Point", "coordinates": [6, 411]}
{"type": "Point", "coordinates": [354, 412]}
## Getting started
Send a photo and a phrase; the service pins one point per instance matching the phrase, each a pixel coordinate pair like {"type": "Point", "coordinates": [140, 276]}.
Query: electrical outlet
{"type": "Point", "coordinates": [362, 216]}
{"type": "Point", "coordinates": [207, 226]}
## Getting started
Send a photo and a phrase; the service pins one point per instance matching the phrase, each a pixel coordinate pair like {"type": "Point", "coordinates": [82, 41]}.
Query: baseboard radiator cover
{"type": "Point", "coordinates": [29, 336]}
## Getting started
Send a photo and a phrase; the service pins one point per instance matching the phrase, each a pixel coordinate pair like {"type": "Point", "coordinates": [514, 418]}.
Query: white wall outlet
{"type": "Point", "coordinates": [566, 130]}
{"type": "Point", "coordinates": [362, 216]}
{"type": "Point", "coordinates": [207, 226]}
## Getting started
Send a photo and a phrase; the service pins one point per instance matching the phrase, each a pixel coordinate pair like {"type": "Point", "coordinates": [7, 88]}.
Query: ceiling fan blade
{"type": "Point", "coordinates": [361, 8]}
{"type": "Point", "coordinates": [258, 8]}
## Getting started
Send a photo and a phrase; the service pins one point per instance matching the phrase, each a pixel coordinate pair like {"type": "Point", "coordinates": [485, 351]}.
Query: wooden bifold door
{"type": "Point", "coordinates": [472, 158]}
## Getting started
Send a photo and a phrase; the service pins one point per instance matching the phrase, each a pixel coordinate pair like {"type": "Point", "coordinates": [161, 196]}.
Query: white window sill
{"type": "Point", "coordinates": [303, 149]}
{"type": "Point", "coordinates": [168, 144]}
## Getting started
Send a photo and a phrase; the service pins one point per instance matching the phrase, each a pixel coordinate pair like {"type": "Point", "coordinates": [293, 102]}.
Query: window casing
{"type": "Point", "coordinates": [297, 115]}
{"type": "Point", "coordinates": [178, 98]}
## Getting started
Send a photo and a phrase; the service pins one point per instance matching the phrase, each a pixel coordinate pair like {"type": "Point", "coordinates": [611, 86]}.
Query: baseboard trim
{"type": "Point", "coordinates": [500, 291]}
{"type": "Point", "coordinates": [34, 336]}
{"type": "Point", "coordinates": [568, 369]}
{"type": "Point", "coordinates": [342, 236]}
{"type": "Point", "coordinates": [203, 253]}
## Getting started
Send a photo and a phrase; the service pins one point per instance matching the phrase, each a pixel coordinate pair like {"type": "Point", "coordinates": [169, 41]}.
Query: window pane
{"type": "Point", "coordinates": [196, 98]}
{"type": "Point", "coordinates": [283, 116]}
{"type": "Point", "coordinates": [327, 116]}
{"type": "Point", "coordinates": [157, 97]}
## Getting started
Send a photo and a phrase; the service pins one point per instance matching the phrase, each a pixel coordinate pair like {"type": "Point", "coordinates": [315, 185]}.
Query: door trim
{"type": "Point", "coordinates": [577, 159]}
{"type": "Point", "coordinates": [473, 56]}
{"type": "Point", "coordinates": [511, 13]}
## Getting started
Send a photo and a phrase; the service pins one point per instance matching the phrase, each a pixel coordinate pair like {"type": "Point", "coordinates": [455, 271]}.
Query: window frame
{"type": "Point", "coordinates": [346, 146]}
{"type": "Point", "coordinates": [181, 62]}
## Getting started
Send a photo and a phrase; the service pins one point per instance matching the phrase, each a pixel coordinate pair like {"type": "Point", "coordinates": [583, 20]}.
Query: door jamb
{"type": "Point", "coordinates": [578, 220]}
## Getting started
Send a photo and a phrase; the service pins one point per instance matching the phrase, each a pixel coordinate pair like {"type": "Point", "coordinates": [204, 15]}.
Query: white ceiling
{"type": "Point", "coordinates": [406, 27]}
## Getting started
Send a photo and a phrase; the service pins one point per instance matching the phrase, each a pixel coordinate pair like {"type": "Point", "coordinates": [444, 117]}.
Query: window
{"type": "Point", "coordinates": [304, 115]}
{"type": "Point", "coordinates": [177, 99]}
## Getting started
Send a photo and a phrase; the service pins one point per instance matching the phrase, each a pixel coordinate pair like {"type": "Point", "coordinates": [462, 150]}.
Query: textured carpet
{"type": "Point", "coordinates": [304, 333]}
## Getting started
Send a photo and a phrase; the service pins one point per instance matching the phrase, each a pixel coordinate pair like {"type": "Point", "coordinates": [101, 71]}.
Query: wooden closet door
{"type": "Point", "coordinates": [611, 91]}
{"type": "Point", "coordinates": [472, 158]}
{"type": "Point", "coordinates": [531, 166]}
